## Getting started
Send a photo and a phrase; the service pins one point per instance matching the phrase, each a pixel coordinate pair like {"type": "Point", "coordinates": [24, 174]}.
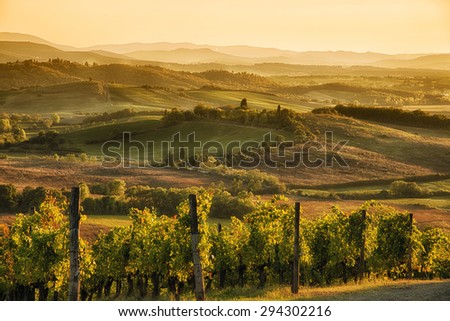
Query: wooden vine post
{"type": "Point", "coordinates": [410, 230]}
{"type": "Point", "coordinates": [220, 268]}
{"type": "Point", "coordinates": [198, 272]}
{"type": "Point", "coordinates": [296, 265]}
{"type": "Point", "coordinates": [74, 225]}
{"type": "Point", "coordinates": [363, 246]}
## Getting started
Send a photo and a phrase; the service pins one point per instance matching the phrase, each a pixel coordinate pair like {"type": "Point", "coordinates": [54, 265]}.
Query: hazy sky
{"type": "Point", "coordinates": [391, 26]}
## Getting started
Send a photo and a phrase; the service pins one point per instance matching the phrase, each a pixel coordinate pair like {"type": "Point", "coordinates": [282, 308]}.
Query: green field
{"type": "Point", "coordinates": [442, 203]}
{"type": "Point", "coordinates": [66, 99]}
{"type": "Point", "coordinates": [148, 129]}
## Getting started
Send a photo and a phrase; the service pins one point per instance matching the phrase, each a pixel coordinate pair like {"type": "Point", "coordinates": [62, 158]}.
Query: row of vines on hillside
{"type": "Point", "coordinates": [152, 256]}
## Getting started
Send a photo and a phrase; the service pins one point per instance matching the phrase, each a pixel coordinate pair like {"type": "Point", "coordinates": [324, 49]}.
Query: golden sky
{"type": "Point", "coordinates": [391, 26]}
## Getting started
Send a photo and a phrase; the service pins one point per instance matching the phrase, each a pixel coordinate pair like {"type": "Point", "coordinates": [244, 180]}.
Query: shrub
{"type": "Point", "coordinates": [5, 126]}
{"type": "Point", "coordinates": [164, 201]}
{"type": "Point", "coordinates": [98, 189]}
{"type": "Point", "coordinates": [105, 205]}
{"type": "Point", "coordinates": [84, 190]}
{"type": "Point", "coordinates": [175, 116]}
{"type": "Point", "coordinates": [8, 198]}
{"type": "Point", "coordinates": [224, 205]}
{"type": "Point", "coordinates": [34, 197]}
{"type": "Point", "coordinates": [116, 188]}
{"type": "Point", "coordinates": [407, 189]}
{"type": "Point", "coordinates": [55, 118]}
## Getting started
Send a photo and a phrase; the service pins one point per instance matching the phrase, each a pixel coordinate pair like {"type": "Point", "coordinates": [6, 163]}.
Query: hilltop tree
{"type": "Point", "coordinates": [19, 134]}
{"type": "Point", "coordinates": [56, 119]}
{"type": "Point", "coordinates": [47, 123]}
{"type": "Point", "coordinates": [5, 126]}
{"type": "Point", "coordinates": [117, 187]}
{"type": "Point", "coordinates": [407, 189]}
{"type": "Point", "coordinates": [202, 111]}
{"type": "Point", "coordinates": [174, 117]}
{"type": "Point", "coordinates": [244, 104]}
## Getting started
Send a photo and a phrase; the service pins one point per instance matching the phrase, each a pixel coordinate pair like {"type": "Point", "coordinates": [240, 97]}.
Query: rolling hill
{"type": "Point", "coordinates": [65, 98]}
{"type": "Point", "coordinates": [152, 78]}
{"type": "Point", "coordinates": [373, 151]}
{"type": "Point", "coordinates": [30, 73]}
{"type": "Point", "coordinates": [24, 85]}
{"type": "Point", "coordinates": [45, 87]}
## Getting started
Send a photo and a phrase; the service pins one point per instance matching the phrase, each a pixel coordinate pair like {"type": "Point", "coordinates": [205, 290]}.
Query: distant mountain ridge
{"type": "Point", "coordinates": [11, 51]}
{"type": "Point", "coordinates": [187, 56]}
{"type": "Point", "coordinates": [15, 46]}
{"type": "Point", "coordinates": [21, 37]}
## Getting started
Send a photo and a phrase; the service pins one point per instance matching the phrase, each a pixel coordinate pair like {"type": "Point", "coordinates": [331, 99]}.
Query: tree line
{"type": "Point", "coordinates": [390, 115]}
{"type": "Point", "coordinates": [115, 198]}
{"type": "Point", "coordinates": [280, 118]}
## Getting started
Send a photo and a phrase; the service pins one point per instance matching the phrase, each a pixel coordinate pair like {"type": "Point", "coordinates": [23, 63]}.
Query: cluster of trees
{"type": "Point", "coordinates": [408, 189]}
{"type": "Point", "coordinates": [235, 79]}
{"type": "Point", "coordinates": [121, 200]}
{"type": "Point", "coordinates": [224, 205]}
{"type": "Point", "coordinates": [250, 181]}
{"type": "Point", "coordinates": [105, 205]}
{"type": "Point", "coordinates": [162, 200]}
{"type": "Point", "coordinates": [280, 118]}
{"type": "Point", "coordinates": [153, 255]}
{"type": "Point", "coordinates": [13, 201]}
{"type": "Point", "coordinates": [12, 126]}
{"type": "Point", "coordinates": [50, 140]}
{"type": "Point", "coordinates": [114, 198]}
{"type": "Point", "coordinates": [116, 187]}
{"type": "Point", "coordinates": [397, 189]}
{"type": "Point", "coordinates": [120, 114]}
{"type": "Point", "coordinates": [416, 118]}
{"type": "Point", "coordinates": [10, 131]}
{"type": "Point", "coordinates": [10, 121]}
